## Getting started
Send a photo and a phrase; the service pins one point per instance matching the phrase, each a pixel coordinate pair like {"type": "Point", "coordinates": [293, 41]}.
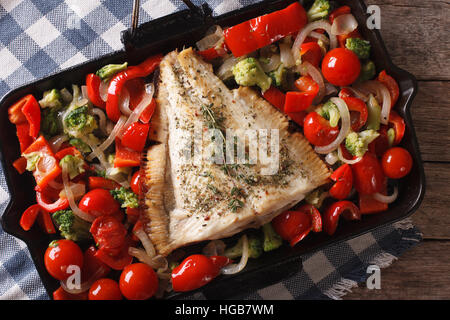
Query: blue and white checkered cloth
{"type": "Point", "coordinates": [41, 37]}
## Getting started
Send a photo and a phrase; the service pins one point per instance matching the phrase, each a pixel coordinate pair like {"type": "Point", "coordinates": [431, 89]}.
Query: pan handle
{"type": "Point", "coordinates": [249, 282]}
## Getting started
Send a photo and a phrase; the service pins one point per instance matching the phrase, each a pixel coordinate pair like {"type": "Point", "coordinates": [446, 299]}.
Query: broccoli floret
{"type": "Point", "coordinates": [72, 227]}
{"type": "Point", "coordinates": [272, 240]}
{"type": "Point", "coordinates": [50, 122]}
{"type": "Point", "coordinates": [51, 99]}
{"type": "Point", "coordinates": [80, 145]}
{"type": "Point", "coordinates": [330, 112]}
{"type": "Point", "coordinates": [319, 10]}
{"type": "Point", "coordinates": [109, 70]}
{"type": "Point", "coordinates": [255, 248]}
{"type": "Point", "coordinates": [126, 197]}
{"type": "Point", "coordinates": [79, 122]}
{"type": "Point", "coordinates": [359, 46]}
{"type": "Point", "coordinates": [248, 72]}
{"type": "Point", "coordinates": [74, 165]}
{"type": "Point", "coordinates": [374, 114]}
{"type": "Point", "coordinates": [32, 160]}
{"type": "Point", "coordinates": [368, 71]}
{"type": "Point", "coordinates": [279, 76]}
{"type": "Point", "coordinates": [357, 142]}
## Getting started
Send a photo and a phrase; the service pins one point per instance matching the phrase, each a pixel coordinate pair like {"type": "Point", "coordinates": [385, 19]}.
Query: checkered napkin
{"type": "Point", "coordinates": [41, 37]}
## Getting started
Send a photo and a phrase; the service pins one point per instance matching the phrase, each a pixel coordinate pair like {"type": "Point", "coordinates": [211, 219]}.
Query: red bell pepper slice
{"type": "Point", "coordinates": [118, 81]}
{"type": "Point", "coordinates": [136, 88]}
{"type": "Point", "coordinates": [15, 114]}
{"type": "Point", "coordinates": [343, 178]}
{"type": "Point", "coordinates": [45, 221]}
{"type": "Point", "coordinates": [135, 136]}
{"type": "Point", "coordinates": [49, 169]}
{"type": "Point", "coordinates": [343, 37]}
{"type": "Point", "coordinates": [359, 106]}
{"type": "Point", "coordinates": [300, 101]}
{"type": "Point", "coordinates": [331, 217]}
{"type": "Point", "coordinates": [93, 82]}
{"type": "Point", "coordinates": [259, 32]}
{"type": "Point", "coordinates": [103, 183]}
{"type": "Point", "coordinates": [29, 217]}
{"type": "Point", "coordinates": [391, 85]}
{"type": "Point", "coordinates": [213, 53]}
{"type": "Point", "coordinates": [126, 157]}
{"type": "Point", "coordinates": [32, 113]}
{"type": "Point", "coordinates": [298, 117]}
{"type": "Point", "coordinates": [369, 205]}
{"type": "Point", "coordinates": [23, 134]}
{"type": "Point", "coordinates": [316, 217]}
{"type": "Point", "coordinates": [339, 12]}
{"type": "Point", "coordinates": [43, 199]}
{"type": "Point", "coordinates": [20, 165]}
{"type": "Point", "coordinates": [116, 262]}
{"type": "Point", "coordinates": [132, 214]}
{"type": "Point", "coordinates": [220, 261]}
{"type": "Point", "coordinates": [72, 151]}
{"type": "Point", "coordinates": [275, 97]}
{"type": "Point", "coordinates": [380, 145]}
{"type": "Point", "coordinates": [399, 126]}
{"type": "Point", "coordinates": [311, 52]}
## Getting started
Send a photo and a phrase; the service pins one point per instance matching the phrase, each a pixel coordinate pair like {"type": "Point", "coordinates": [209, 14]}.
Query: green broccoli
{"type": "Point", "coordinates": [319, 10]}
{"type": "Point", "coordinates": [32, 159]}
{"type": "Point", "coordinates": [106, 72]}
{"type": "Point", "coordinates": [51, 99]}
{"type": "Point", "coordinates": [50, 122]}
{"type": "Point", "coordinates": [80, 145]}
{"type": "Point", "coordinates": [357, 142]}
{"type": "Point", "coordinates": [74, 165]}
{"type": "Point", "coordinates": [79, 122]}
{"type": "Point", "coordinates": [72, 227]}
{"type": "Point", "coordinates": [255, 248]}
{"type": "Point", "coordinates": [126, 197]}
{"type": "Point", "coordinates": [359, 46]}
{"type": "Point", "coordinates": [391, 136]}
{"type": "Point", "coordinates": [279, 76]}
{"type": "Point", "coordinates": [368, 71]}
{"type": "Point", "coordinates": [272, 240]}
{"type": "Point", "coordinates": [330, 112]}
{"type": "Point", "coordinates": [374, 114]}
{"type": "Point", "coordinates": [248, 72]}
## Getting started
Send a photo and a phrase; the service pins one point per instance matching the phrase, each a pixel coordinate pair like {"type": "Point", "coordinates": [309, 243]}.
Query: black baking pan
{"type": "Point", "coordinates": [176, 31]}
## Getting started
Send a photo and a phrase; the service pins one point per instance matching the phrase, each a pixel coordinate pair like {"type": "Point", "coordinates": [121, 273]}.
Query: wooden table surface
{"type": "Point", "coordinates": [415, 33]}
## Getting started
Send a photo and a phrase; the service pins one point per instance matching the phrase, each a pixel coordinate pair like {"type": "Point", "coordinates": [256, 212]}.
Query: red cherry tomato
{"type": "Point", "coordinates": [396, 163]}
{"type": "Point", "coordinates": [105, 289]}
{"type": "Point", "coordinates": [368, 176]}
{"type": "Point", "coordinates": [331, 216]}
{"type": "Point", "coordinates": [109, 234]}
{"type": "Point", "coordinates": [341, 67]}
{"type": "Point", "coordinates": [99, 202]}
{"type": "Point", "coordinates": [344, 181]}
{"type": "Point", "coordinates": [194, 272]}
{"type": "Point", "coordinates": [318, 130]}
{"type": "Point", "coordinates": [138, 281]}
{"type": "Point", "coordinates": [61, 254]}
{"type": "Point", "coordinates": [93, 266]}
{"type": "Point", "coordinates": [135, 182]}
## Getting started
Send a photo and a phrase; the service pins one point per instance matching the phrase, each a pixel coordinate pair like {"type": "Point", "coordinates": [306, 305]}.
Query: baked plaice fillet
{"type": "Point", "coordinates": [191, 201]}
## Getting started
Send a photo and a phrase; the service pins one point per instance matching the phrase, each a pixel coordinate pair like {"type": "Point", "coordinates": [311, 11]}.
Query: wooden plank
{"type": "Point", "coordinates": [421, 273]}
{"type": "Point", "coordinates": [431, 118]}
{"type": "Point", "coordinates": [433, 218]}
{"type": "Point", "coordinates": [414, 32]}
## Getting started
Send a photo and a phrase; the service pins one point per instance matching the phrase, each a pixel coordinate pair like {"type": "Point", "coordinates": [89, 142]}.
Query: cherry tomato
{"type": "Point", "coordinates": [331, 216]}
{"type": "Point", "coordinates": [344, 181]}
{"type": "Point", "coordinates": [368, 176]}
{"type": "Point", "coordinates": [92, 265]}
{"type": "Point", "coordinates": [194, 272]}
{"type": "Point", "coordinates": [99, 202]}
{"type": "Point", "coordinates": [396, 162]}
{"type": "Point", "coordinates": [341, 67]}
{"type": "Point", "coordinates": [135, 182]}
{"type": "Point", "coordinates": [109, 234]}
{"type": "Point", "coordinates": [105, 289]}
{"type": "Point", "coordinates": [318, 130]}
{"type": "Point", "coordinates": [61, 254]}
{"type": "Point", "coordinates": [138, 281]}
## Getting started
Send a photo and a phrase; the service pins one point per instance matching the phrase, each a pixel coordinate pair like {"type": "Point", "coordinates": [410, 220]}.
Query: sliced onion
{"type": "Point", "coordinates": [101, 119]}
{"type": "Point", "coordinates": [214, 248]}
{"type": "Point", "coordinates": [124, 102]}
{"type": "Point", "coordinates": [78, 190]}
{"type": "Point", "coordinates": [345, 127]}
{"type": "Point", "coordinates": [77, 211]}
{"type": "Point", "coordinates": [319, 36]}
{"type": "Point", "coordinates": [301, 36]}
{"type": "Point", "coordinates": [134, 116]}
{"type": "Point", "coordinates": [344, 24]}
{"type": "Point", "coordinates": [307, 68]}
{"type": "Point", "coordinates": [212, 37]}
{"type": "Point", "coordinates": [330, 89]}
{"type": "Point", "coordinates": [56, 185]}
{"type": "Point", "coordinates": [146, 243]}
{"type": "Point", "coordinates": [382, 94]}
{"type": "Point", "coordinates": [84, 93]}
{"type": "Point", "coordinates": [97, 151]}
{"type": "Point", "coordinates": [56, 142]}
{"type": "Point", "coordinates": [86, 285]}
{"type": "Point", "coordinates": [103, 90]}
{"type": "Point", "coordinates": [358, 93]}
{"type": "Point", "coordinates": [286, 57]}
{"type": "Point", "coordinates": [225, 70]}
{"type": "Point", "coordinates": [273, 64]}
{"type": "Point", "coordinates": [343, 159]}
{"type": "Point", "coordinates": [386, 199]}
{"type": "Point", "coordinates": [109, 126]}
{"type": "Point", "coordinates": [331, 158]}
{"type": "Point", "coordinates": [235, 268]}
{"type": "Point", "coordinates": [140, 254]}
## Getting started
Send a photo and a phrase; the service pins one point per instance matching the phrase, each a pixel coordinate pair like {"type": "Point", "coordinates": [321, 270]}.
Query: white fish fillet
{"type": "Point", "coordinates": [190, 202]}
